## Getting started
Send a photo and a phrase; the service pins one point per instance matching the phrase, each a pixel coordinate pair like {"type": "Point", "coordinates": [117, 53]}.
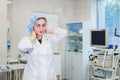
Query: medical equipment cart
{"type": "Point", "coordinates": [105, 64]}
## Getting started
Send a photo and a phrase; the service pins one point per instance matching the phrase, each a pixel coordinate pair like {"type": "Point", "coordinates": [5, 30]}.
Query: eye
{"type": "Point", "coordinates": [43, 25]}
{"type": "Point", "coordinates": [38, 25]}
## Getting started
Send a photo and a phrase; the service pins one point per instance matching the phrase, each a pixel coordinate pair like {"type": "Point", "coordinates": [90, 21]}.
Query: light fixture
{"type": "Point", "coordinates": [9, 1]}
{"type": "Point", "coordinates": [109, 0]}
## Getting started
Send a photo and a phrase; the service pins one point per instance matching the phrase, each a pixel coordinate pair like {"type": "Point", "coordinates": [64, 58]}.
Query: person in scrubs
{"type": "Point", "coordinates": [38, 49]}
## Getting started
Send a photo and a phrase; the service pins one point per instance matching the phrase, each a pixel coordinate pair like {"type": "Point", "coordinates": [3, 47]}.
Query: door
{"type": "Point", "coordinates": [73, 66]}
{"type": "Point", "coordinates": [77, 66]}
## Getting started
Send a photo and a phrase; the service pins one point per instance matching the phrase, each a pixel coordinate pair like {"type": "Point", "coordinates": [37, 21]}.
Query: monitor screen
{"type": "Point", "coordinates": [99, 38]}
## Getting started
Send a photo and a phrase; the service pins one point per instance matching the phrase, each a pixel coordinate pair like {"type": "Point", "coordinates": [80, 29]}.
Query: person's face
{"type": "Point", "coordinates": [40, 27]}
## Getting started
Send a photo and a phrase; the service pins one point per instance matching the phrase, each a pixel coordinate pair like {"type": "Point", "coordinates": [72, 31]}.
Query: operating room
{"type": "Point", "coordinates": [78, 40]}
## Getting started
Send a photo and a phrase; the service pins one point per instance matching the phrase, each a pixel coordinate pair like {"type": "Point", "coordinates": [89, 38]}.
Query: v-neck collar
{"type": "Point", "coordinates": [40, 41]}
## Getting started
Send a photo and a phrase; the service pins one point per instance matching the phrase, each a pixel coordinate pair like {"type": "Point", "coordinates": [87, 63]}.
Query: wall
{"type": "Point", "coordinates": [3, 32]}
{"type": "Point", "coordinates": [86, 39]}
{"type": "Point", "coordinates": [68, 11]}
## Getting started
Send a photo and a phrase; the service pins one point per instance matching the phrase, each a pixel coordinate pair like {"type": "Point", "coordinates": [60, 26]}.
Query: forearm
{"type": "Point", "coordinates": [58, 35]}
{"type": "Point", "coordinates": [58, 31]}
{"type": "Point", "coordinates": [61, 32]}
{"type": "Point", "coordinates": [50, 31]}
{"type": "Point", "coordinates": [25, 45]}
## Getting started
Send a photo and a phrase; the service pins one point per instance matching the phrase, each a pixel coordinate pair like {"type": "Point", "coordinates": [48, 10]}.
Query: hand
{"type": "Point", "coordinates": [32, 37]}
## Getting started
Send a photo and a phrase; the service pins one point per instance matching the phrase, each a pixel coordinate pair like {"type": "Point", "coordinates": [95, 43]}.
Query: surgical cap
{"type": "Point", "coordinates": [32, 21]}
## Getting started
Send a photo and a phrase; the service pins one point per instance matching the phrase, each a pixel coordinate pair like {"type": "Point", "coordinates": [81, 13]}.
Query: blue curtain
{"type": "Point", "coordinates": [111, 18]}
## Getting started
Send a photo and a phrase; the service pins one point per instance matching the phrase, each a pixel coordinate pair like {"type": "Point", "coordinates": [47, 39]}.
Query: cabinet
{"type": "Point", "coordinates": [57, 65]}
{"type": "Point", "coordinates": [73, 66]}
{"type": "Point", "coordinates": [74, 38]}
{"type": "Point", "coordinates": [74, 51]}
{"type": "Point", "coordinates": [105, 65]}
{"type": "Point", "coordinates": [74, 43]}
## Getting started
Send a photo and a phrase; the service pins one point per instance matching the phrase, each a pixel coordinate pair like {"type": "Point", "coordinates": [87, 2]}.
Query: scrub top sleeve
{"type": "Point", "coordinates": [25, 46]}
{"type": "Point", "coordinates": [58, 35]}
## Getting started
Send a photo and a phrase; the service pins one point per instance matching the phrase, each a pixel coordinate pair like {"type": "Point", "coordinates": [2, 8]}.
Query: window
{"type": "Point", "coordinates": [108, 16]}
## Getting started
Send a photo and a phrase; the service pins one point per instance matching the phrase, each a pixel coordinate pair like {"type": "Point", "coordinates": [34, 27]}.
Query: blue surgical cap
{"type": "Point", "coordinates": [32, 21]}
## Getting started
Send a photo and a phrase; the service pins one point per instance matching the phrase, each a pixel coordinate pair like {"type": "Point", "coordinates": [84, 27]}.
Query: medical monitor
{"type": "Point", "coordinates": [99, 38]}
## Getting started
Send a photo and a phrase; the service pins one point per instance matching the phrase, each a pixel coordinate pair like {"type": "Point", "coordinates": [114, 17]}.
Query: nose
{"type": "Point", "coordinates": [41, 28]}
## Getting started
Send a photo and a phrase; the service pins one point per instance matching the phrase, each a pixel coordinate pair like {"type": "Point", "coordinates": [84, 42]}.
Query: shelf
{"type": "Point", "coordinates": [109, 72]}
{"type": "Point", "coordinates": [74, 37]}
{"type": "Point", "coordinates": [117, 77]}
{"type": "Point", "coordinates": [74, 42]}
{"type": "Point", "coordinates": [75, 34]}
{"type": "Point", "coordinates": [103, 68]}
